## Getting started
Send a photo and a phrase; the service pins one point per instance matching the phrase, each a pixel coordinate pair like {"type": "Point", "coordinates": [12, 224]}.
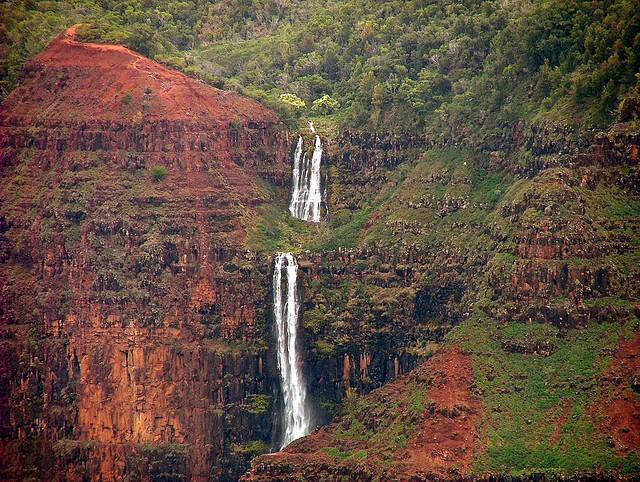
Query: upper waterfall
{"type": "Point", "coordinates": [296, 417]}
{"type": "Point", "coordinates": [306, 192]}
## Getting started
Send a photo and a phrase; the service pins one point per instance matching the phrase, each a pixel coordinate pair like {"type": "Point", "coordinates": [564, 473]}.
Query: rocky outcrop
{"type": "Point", "coordinates": [364, 150]}
{"type": "Point", "coordinates": [362, 162]}
{"type": "Point", "coordinates": [431, 437]}
{"type": "Point", "coordinates": [369, 316]}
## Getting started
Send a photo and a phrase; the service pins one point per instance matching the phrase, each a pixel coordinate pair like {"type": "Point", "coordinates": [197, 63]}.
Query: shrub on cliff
{"type": "Point", "coordinates": [158, 173]}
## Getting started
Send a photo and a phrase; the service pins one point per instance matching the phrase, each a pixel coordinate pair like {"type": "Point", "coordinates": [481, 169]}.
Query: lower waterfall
{"type": "Point", "coordinates": [296, 418]}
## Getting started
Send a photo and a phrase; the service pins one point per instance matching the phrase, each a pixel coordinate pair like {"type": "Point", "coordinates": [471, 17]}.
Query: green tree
{"type": "Point", "coordinates": [324, 105]}
{"type": "Point", "coordinates": [142, 40]}
{"type": "Point", "coordinates": [292, 106]}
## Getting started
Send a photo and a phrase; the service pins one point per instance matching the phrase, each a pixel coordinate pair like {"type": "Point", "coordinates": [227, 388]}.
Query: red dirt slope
{"type": "Point", "coordinates": [102, 74]}
{"type": "Point", "coordinates": [432, 434]}
{"type": "Point", "coordinates": [81, 105]}
{"type": "Point", "coordinates": [617, 412]}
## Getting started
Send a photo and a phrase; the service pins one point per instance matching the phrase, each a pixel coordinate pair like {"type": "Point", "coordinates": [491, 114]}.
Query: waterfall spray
{"type": "Point", "coordinates": [296, 419]}
{"type": "Point", "coordinates": [306, 192]}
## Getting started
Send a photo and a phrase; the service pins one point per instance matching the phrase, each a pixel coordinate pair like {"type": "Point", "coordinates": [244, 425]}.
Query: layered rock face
{"type": "Point", "coordinates": [135, 328]}
{"type": "Point", "coordinates": [434, 413]}
{"type": "Point", "coordinates": [365, 317]}
{"type": "Point", "coordinates": [76, 98]}
{"type": "Point", "coordinates": [528, 252]}
{"type": "Point", "coordinates": [133, 321]}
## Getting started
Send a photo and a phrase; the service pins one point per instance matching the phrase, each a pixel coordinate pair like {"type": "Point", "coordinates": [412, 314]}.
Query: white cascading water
{"type": "Point", "coordinates": [299, 164]}
{"type": "Point", "coordinates": [306, 192]}
{"type": "Point", "coordinates": [296, 420]}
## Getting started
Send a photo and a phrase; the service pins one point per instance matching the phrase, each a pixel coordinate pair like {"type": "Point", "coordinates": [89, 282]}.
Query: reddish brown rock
{"type": "Point", "coordinates": [439, 446]}
{"type": "Point", "coordinates": [127, 346]}
{"type": "Point", "coordinates": [617, 410]}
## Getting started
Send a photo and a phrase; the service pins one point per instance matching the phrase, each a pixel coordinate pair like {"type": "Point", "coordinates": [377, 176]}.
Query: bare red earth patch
{"type": "Point", "coordinates": [617, 411]}
{"type": "Point", "coordinates": [444, 443]}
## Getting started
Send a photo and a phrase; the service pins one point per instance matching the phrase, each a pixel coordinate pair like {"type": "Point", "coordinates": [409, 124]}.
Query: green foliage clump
{"type": "Point", "coordinates": [337, 453]}
{"type": "Point", "coordinates": [142, 41]}
{"type": "Point", "coordinates": [313, 320]}
{"type": "Point", "coordinates": [258, 404]}
{"type": "Point", "coordinates": [324, 105]}
{"type": "Point", "coordinates": [294, 101]}
{"type": "Point", "coordinates": [290, 107]}
{"type": "Point", "coordinates": [158, 173]}
{"type": "Point", "coordinates": [251, 448]}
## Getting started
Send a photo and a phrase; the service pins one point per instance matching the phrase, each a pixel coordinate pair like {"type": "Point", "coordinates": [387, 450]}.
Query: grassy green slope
{"type": "Point", "coordinates": [540, 407]}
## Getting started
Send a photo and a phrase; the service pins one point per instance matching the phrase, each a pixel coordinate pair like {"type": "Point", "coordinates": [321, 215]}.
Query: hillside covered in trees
{"type": "Point", "coordinates": [435, 66]}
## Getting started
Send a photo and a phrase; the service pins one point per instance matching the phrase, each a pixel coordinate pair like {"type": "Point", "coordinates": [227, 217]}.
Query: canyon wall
{"type": "Point", "coordinates": [530, 264]}
{"type": "Point", "coordinates": [134, 330]}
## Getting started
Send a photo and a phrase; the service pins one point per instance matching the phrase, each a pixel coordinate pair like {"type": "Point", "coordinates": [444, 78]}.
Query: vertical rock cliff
{"type": "Point", "coordinates": [523, 263]}
{"type": "Point", "coordinates": [132, 322]}
{"type": "Point", "coordinates": [136, 333]}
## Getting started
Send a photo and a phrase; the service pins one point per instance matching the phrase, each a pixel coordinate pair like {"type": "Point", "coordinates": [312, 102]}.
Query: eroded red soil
{"type": "Point", "coordinates": [108, 72]}
{"type": "Point", "coordinates": [440, 446]}
{"type": "Point", "coordinates": [617, 412]}
{"type": "Point", "coordinates": [444, 443]}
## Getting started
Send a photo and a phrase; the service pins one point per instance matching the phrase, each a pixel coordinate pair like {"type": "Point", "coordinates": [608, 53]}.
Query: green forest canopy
{"type": "Point", "coordinates": [433, 66]}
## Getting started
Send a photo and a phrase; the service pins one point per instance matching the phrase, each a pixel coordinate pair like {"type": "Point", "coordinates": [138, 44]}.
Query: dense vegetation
{"type": "Point", "coordinates": [539, 414]}
{"type": "Point", "coordinates": [445, 67]}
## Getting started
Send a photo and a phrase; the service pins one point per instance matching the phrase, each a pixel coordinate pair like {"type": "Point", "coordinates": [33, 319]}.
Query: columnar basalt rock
{"type": "Point", "coordinates": [133, 321]}
{"type": "Point", "coordinates": [367, 313]}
